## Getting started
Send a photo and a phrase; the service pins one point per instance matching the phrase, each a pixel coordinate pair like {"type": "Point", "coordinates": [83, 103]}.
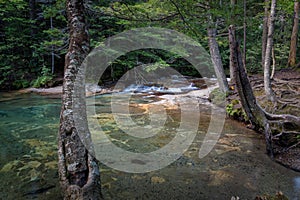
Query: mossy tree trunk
{"type": "Point", "coordinates": [78, 169]}
{"type": "Point", "coordinates": [260, 119]}
{"type": "Point", "coordinates": [254, 112]}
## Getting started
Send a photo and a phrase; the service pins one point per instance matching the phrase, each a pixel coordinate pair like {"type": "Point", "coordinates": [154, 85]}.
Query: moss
{"type": "Point", "coordinates": [235, 110]}
{"type": "Point", "coordinates": [217, 97]}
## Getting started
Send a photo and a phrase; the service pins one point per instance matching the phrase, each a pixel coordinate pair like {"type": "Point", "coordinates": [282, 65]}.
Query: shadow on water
{"type": "Point", "coordinates": [237, 166]}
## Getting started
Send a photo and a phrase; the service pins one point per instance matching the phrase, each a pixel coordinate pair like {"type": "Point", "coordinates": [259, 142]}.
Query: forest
{"type": "Point", "coordinates": [252, 47]}
{"type": "Point", "coordinates": [34, 34]}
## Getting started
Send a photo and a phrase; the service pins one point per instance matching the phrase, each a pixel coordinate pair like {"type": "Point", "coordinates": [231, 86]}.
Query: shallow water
{"type": "Point", "coordinates": [237, 166]}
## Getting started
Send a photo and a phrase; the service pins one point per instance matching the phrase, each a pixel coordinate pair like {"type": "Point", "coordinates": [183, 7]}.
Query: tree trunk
{"type": "Point", "coordinates": [245, 34]}
{"type": "Point", "coordinates": [231, 69]}
{"type": "Point", "coordinates": [254, 112]}
{"type": "Point", "coordinates": [233, 2]}
{"type": "Point", "coordinates": [267, 63]}
{"type": "Point", "coordinates": [216, 59]}
{"type": "Point", "coordinates": [273, 63]}
{"type": "Point", "coordinates": [259, 118]}
{"type": "Point", "coordinates": [32, 16]}
{"type": "Point", "coordinates": [78, 169]}
{"type": "Point", "coordinates": [294, 37]}
{"type": "Point", "coordinates": [232, 60]}
{"type": "Point", "coordinates": [265, 32]}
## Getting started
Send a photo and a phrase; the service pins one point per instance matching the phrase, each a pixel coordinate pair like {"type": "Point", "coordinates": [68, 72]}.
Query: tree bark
{"type": "Point", "coordinates": [254, 112]}
{"type": "Point", "coordinates": [265, 32]}
{"type": "Point", "coordinates": [216, 60]}
{"type": "Point", "coordinates": [294, 37]}
{"type": "Point", "coordinates": [231, 68]}
{"type": "Point", "coordinates": [245, 34]}
{"type": "Point", "coordinates": [233, 2]}
{"type": "Point", "coordinates": [78, 169]}
{"type": "Point", "coordinates": [267, 62]}
{"type": "Point", "coordinates": [232, 59]}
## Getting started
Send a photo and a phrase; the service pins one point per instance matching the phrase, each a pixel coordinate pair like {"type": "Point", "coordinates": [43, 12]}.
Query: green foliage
{"type": "Point", "coordinates": [235, 110]}
{"type": "Point", "coordinates": [21, 83]}
{"type": "Point", "coordinates": [157, 65]}
{"type": "Point", "coordinates": [44, 80]}
{"type": "Point", "coordinates": [151, 60]}
{"type": "Point", "coordinates": [26, 44]}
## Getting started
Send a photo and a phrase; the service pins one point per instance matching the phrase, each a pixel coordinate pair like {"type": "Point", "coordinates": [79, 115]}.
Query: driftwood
{"type": "Point", "coordinates": [258, 117]}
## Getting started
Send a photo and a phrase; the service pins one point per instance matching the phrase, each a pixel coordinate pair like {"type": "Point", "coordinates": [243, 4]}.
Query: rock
{"type": "Point", "coordinates": [219, 177]}
{"type": "Point", "coordinates": [51, 164]}
{"type": "Point", "coordinates": [9, 166]}
{"type": "Point", "coordinates": [34, 175]}
{"type": "Point", "coordinates": [34, 164]}
{"type": "Point", "coordinates": [157, 179]}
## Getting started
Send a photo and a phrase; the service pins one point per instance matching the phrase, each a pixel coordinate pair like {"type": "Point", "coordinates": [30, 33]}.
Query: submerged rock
{"type": "Point", "coordinates": [157, 179]}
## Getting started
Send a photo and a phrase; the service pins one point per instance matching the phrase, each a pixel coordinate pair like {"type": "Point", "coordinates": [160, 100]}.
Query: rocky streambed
{"type": "Point", "coordinates": [236, 166]}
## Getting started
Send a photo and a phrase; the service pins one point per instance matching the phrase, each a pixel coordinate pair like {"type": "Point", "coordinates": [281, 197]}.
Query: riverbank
{"type": "Point", "coordinates": [286, 86]}
{"type": "Point", "coordinates": [57, 91]}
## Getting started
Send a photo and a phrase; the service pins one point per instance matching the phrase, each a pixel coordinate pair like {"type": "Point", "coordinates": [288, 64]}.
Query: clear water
{"type": "Point", "coordinates": [237, 166]}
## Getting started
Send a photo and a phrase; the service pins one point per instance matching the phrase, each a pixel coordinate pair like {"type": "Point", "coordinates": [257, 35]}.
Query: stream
{"type": "Point", "coordinates": [237, 165]}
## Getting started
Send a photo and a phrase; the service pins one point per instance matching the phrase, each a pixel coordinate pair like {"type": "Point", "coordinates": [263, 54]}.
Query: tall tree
{"type": "Point", "coordinates": [231, 64]}
{"type": "Point", "coordinates": [216, 59]}
{"type": "Point", "coordinates": [78, 169]}
{"type": "Point", "coordinates": [265, 32]}
{"type": "Point", "coordinates": [294, 37]}
{"type": "Point", "coordinates": [267, 62]}
{"type": "Point", "coordinates": [245, 32]}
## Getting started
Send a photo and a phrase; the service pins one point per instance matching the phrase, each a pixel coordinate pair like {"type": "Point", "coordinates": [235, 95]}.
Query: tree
{"type": "Point", "coordinates": [216, 59]}
{"type": "Point", "coordinates": [78, 169]}
{"type": "Point", "coordinates": [294, 37]}
{"type": "Point", "coordinates": [265, 32]}
{"type": "Point", "coordinates": [267, 62]}
{"type": "Point", "coordinates": [259, 118]}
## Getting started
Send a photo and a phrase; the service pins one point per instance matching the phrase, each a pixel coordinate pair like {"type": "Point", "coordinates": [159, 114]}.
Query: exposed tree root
{"type": "Point", "coordinates": [281, 130]}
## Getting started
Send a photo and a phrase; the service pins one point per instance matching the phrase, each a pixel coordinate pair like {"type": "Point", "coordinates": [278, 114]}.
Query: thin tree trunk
{"type": "Point", "coordinates": [233, 2]}
{"type": "Point", "coordinates": [232, 60]}
{"type": "Point", "coordinates": [265, 32]}
{"type": "Point", "coordinates": [294, 37]}
{"type": "Point", "coordinates": [216, 60]}
{"type": "Point", "coordinates": [78, 169]}
{"type": "Point", "coordinates": [267, 63]}
{"type": "Point", "coordinates": [231, 67]}
{"type": "Point", "coordinates": [273, 63]}
{"type": "Point", "coordinates": [245, 34]}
